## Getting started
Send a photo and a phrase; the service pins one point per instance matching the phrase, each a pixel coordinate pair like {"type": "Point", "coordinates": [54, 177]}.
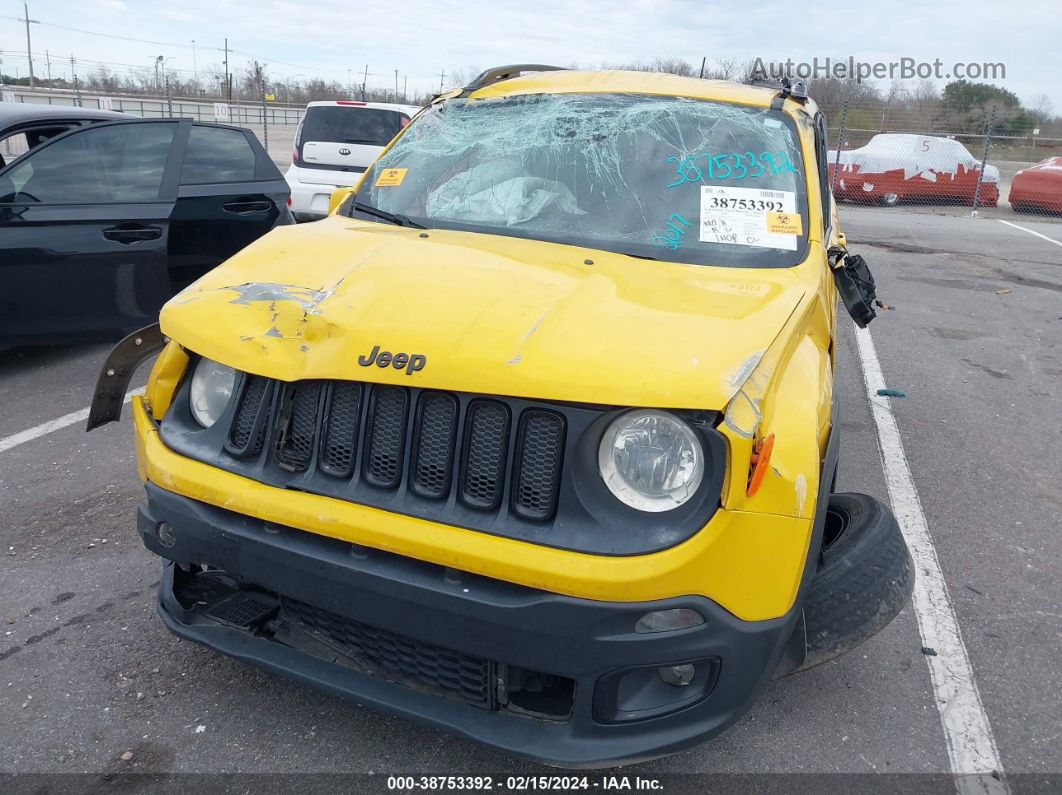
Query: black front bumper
{"type": "Point", "coordinates": [410, 606]}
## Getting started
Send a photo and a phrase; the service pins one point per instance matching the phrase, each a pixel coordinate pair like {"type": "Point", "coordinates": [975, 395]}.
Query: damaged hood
{"type": "Point", "coordinates": [489, 314]}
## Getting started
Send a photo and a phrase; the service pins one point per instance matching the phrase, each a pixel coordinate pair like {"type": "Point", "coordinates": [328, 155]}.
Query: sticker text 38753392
{"type": "Point", "coordinates": [749, 217]}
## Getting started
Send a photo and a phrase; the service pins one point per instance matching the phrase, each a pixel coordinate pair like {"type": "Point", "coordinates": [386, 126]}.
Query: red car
{"type": "Point", "coordinates": [893, 167]}
{"type": "Point", "coordinates": [1038, 189]}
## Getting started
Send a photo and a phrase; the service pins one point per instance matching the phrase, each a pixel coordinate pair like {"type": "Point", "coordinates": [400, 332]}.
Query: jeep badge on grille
{"type": "Point", "coordinates": [411, 361]}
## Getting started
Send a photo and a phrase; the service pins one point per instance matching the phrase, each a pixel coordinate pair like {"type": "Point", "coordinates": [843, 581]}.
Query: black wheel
{"type": "Point", "coordinates": [865, 577]}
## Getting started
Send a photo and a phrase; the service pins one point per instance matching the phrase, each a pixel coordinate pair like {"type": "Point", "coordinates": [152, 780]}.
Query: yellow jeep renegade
{"type": "Point", "coordinates": [533, 438]}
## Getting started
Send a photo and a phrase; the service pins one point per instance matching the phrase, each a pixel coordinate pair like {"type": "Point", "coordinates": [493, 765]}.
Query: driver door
{"type": "Point", "coordinates": [84, 228]}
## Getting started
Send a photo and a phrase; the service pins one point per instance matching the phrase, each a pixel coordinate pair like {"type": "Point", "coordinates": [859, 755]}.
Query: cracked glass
{"type": "Point", "coordinates": [666, 178]}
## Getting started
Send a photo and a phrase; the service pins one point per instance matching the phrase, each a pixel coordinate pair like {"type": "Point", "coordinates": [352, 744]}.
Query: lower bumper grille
{"type": "Point", "coordinates": [398, 658]}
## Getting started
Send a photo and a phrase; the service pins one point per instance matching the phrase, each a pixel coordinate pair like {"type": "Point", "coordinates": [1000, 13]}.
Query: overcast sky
{"type": "Point", "coordinates": [421, 38]}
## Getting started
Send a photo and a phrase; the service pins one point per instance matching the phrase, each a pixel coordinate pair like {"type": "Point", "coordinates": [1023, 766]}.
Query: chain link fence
{"type": "Point", "coordinates": [273, 123]}
{"type": "Point", "coordinates": [885, 156]}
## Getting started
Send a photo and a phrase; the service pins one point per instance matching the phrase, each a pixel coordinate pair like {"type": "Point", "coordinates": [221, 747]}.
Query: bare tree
{"type": "Point", "coordinates": [255, 79]}
{"type": "Point", "coordinates": [1041, 109]}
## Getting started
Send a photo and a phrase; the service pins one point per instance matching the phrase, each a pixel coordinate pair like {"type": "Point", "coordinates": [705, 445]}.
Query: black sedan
{"type": "Point", "coordinates": [101, 223]}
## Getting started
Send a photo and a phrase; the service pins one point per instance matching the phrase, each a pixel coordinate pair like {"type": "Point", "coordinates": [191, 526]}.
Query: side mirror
{"type": "Point", "coordinates": [855, 284]}
{"type": "Point", "coordinates": [338, 196]}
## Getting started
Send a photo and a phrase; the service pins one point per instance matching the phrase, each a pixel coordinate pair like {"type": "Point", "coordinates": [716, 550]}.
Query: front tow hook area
{"type": "Point", "coordinates": [864, 578]}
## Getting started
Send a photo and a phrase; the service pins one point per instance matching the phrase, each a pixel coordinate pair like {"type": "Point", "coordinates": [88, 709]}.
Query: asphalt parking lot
{"type": "Point", "coordinates": [88, 673]}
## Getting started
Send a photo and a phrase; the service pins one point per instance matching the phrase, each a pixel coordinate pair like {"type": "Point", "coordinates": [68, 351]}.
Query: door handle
{"type": "Point", "coordinates": [132, 233]}
{"type": "Point", "coordinates": [242, 207]}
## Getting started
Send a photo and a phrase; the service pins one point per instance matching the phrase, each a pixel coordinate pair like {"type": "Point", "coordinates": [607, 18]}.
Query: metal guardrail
{"type": "Point", "coordinates": [238, 112]}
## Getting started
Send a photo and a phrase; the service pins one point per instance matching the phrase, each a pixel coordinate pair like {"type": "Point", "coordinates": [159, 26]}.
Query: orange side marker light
{"type": "Point", "coordinates": [759, 461]}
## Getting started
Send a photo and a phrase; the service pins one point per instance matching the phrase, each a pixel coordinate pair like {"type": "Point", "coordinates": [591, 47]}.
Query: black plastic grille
{"type": "Point", "coordinates": [297, 428]}
{"type": "Point", "coordinates": [247, 433]}
{"type": "Point", "coordinates": [398, 658]}
{"type": "Point", "coordinates": [486, 445]}
{"type": "Point", "coordinates": [340, 446]}
{"type": "Point", "coordinates": [538, 464]}
{"type": "Point", "coordinates": [433, 445]}
{"type": "Point", "coordinates": [387, 435]}
{"type": "Point", "coordinates": [478, 461]}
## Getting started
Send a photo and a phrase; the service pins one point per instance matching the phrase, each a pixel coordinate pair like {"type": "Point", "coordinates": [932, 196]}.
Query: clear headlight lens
{"type": "Point", "coordinates": [211, 391]}
{"type": "Point", "coordinates": [651, 460]}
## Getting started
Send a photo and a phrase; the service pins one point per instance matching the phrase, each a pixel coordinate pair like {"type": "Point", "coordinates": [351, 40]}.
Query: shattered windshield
{"type": "Point", "coordinates": [657, 177]}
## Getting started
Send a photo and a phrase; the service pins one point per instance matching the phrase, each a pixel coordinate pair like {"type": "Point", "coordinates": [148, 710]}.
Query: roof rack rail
{"type": "Point", "coordinates": [797, 91]}
{"type": "Point", "coordinates": [499, 73]}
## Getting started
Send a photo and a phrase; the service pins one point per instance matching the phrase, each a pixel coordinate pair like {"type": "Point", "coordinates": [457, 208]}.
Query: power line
{"type": "Point", "coordinates": [175, 44]}
{"type": "Point", "coordinates": [105, 35]}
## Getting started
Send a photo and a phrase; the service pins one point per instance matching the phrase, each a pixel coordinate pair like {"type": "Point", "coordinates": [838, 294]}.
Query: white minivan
{"type": "Point", "coordinates": [335, 142]}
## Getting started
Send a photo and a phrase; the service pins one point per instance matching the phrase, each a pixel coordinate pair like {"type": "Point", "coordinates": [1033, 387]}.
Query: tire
{"type": "Point", "coordinates": [865, 577]}
{"type": "Point", "coordinates": [890, 199]}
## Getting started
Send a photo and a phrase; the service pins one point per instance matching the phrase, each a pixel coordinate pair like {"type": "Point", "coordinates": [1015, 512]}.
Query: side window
{"type": "Point", "coordinates": [216, 154]}
{"type": "Point", "coordinates": [119, 163]}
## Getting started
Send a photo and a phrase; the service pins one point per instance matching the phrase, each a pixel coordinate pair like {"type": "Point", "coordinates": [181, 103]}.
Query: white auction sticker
{"type": "Point", "coordinates": [750, 217]}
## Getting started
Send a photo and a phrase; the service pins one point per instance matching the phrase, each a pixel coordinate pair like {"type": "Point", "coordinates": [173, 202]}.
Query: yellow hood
{"type": "Point", "coordinates": [489, 314]}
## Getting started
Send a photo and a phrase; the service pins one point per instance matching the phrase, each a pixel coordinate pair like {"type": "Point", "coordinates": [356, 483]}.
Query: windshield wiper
{"type": "Point", "coordinates": [383, 215]}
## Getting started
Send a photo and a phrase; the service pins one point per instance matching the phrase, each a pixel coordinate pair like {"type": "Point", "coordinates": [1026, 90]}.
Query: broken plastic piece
{"type": "Point", "coordinates": [891, 393]}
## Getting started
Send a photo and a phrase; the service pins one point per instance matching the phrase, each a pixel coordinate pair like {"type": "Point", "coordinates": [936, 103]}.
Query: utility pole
{"type": "Point", "coordinates": [364, 80]}
{"type": "Point", "coordinates": [396, 85]}
{"type": "Point", "coordinates": [73, 79]}
{"type": "Point", "coordinates": [704, 60]}
{"type": "Point", "coordinates": [158, 60]}
{"type": "Point", "coordinates": [442, 76]}
{"type": "Point", "coordinates": [195, 69]}
{"type": "Point", "coordinates": [48, 60]}
{"type": "Point", "coordinates": [29, 46]}
{"type": "Point", "coordinates": [405, 88]}
{"type": "Point", "coordinates": [228, 77]}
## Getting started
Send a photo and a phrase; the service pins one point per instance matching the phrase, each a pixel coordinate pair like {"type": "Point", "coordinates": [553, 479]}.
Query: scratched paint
{"type": "Point", "coordinates": [801, 487]}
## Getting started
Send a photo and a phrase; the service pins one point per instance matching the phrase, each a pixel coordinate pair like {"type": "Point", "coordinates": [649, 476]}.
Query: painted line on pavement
{"type": "Point", "coordinates": [971, 746]}
{"type": "Point", "coordinates": [1031, 232]}
{"type": "Point", "coordinates": [58, 423]}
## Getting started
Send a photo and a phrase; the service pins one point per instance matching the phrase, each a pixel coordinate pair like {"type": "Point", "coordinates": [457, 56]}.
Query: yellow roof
{"type": "Point", "coordinates": [618, 82]}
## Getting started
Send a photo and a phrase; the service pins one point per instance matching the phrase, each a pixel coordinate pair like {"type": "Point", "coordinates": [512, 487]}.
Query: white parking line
{"type": "Point", "coordinates": [45, 428]}
{"type": "Point", "coordinates": [1031, 232]}
{"type": "Point", "coordinates": [971, 746]}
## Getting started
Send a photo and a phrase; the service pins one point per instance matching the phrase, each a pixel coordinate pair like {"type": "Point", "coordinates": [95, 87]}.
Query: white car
{"type": "Point", "coordinates": [334, 144]}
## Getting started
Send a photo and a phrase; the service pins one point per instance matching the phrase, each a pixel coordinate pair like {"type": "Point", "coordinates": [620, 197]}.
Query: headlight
{"type": "Point", "coordinates": [651, 460]}
{"type": "Point", "coordinates": [210, 391]}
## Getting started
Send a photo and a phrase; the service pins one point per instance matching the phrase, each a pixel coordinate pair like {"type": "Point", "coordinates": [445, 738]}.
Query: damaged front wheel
{"type": "Point", "coordinates": [865, 577]}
